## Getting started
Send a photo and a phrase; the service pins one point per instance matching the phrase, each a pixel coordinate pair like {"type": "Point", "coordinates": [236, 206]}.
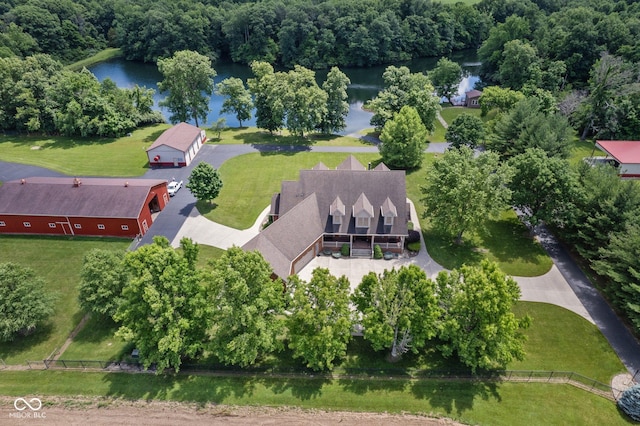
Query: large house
{"type": "Point", "coordinates": [326, 209]}
{"type": "Point", "coordinates": [625, 155]}
{"type": "Point", "coordinates": [116, 207]}
{"type": "Point", "coordinates": [176, 146]}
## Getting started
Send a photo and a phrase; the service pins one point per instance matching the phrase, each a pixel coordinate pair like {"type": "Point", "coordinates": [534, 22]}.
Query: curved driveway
{"type": "Point", "coordinates": [551, 287]}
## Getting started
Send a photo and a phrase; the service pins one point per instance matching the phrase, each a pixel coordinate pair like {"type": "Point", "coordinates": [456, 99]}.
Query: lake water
{"type": "Point", "coordinates": [365, 84]}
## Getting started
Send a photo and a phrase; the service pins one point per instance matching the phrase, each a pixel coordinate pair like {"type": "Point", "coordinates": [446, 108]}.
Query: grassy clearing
{"type": "Point", "coordinates": [450, 114]}
{"type": "Point", "coordinates": [251, 179]}
{"type": "Point", "coordinates": [581, 149]}
{"type": "Point", "coordinates": [125, 156]}
{"type": "Point", "coordinates": [473, 403]}
{"type": "Point", "coordinates": [101, 56]}
{"type": "Point", "coordinates": [58, 260]}
{"type": "Point", "coordinates": [504, 240]}
{"type": "Point", "coordinates": [255, 136]}
{"type": "Point", "coordinates": [560, 340]}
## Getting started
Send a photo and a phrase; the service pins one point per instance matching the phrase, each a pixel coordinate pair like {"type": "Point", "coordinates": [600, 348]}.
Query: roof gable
{"type": "Point", "coordinates": [388, 209]}
{"type": "Point", "coordinates": [351, 163]}
{"type": "Point", "coordinates": [337, 207]}
{"type": "Point", "coordinates": [625, 152]}
{"type": "Point", "coordinates": [362, 207]}
{"type": "Point", "coordinates": [180, 137]}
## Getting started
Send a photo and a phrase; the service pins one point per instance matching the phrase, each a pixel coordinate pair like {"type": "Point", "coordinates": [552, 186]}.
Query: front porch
{"type": "Point", "coordinates": [362, 245]}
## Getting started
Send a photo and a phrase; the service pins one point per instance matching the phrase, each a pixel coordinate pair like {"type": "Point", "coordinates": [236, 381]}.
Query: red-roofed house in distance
{"type": "Point", "coordinates": [176, 146]}
{"type": "Point", "coordinates": [626, 155]}
{"type": "Point", "coordinates": [114, 207]}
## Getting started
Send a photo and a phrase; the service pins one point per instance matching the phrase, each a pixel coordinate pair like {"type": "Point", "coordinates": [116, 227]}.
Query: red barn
{"type": "Point", "coordinates": [117, 207]}
{"type": "Point", "coordinates": [176, 146]}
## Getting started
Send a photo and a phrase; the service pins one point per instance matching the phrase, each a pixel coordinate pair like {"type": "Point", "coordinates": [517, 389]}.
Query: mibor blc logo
{"type": "Point", "coordinates": [27, 409]}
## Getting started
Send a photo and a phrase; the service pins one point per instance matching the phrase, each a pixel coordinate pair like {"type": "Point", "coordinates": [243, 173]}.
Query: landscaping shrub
{"type": "Point", "coordinates": [377, 252]}
{"type": "Point", "coordinates": [414, 246]}
{"type": "Point", "coordinates": [344, 250]}
{"type": "Point", "coordinates": [413, 237]}
{"type": "Point", "coordinates": [629, 402]}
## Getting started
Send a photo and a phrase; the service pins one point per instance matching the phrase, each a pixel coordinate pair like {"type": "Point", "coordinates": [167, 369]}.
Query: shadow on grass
{"type": "Point", "coordinates": [444, 250]}
{"type": "Point", "coordinates": [259, 138]}
{"type": "Point", "coordinates": [509, 240]}
{"type": "Point", "coordinates": [204, 207]}
{"type": "Point", "coordinates": [22, 344]}
{"type": "Point", "coordinates": [455, 397]}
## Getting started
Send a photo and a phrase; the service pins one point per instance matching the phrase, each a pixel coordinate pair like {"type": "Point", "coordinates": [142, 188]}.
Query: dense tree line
{"type": "Point", "coordinates": [38, 95]}
{"type": "Point", "coordinates": [234, 312]}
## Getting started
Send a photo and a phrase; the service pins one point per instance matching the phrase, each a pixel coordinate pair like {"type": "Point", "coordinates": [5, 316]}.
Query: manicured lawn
{"type": "Point", "coordinates": [560, 340]}
{"type": "Point", "coordinates": [449, 114]}
{"type": "Point", "coordinates": [582, 149]}
{"type": "Point", "coordinates": [123, 156]}
{"type": "Point", "coordinates": [504, 240]}
{"type": "Point", "coordinates": [438, 134]}
{"type": "Point", "coordinates": [101, 56]}
{"type": "Point", "coordinates": [469, 402]}
{"type": "Point", "coordinates": [251, 179]}
{"type": "Point", "coordinates": [255, 136]}
{"type": "Point", "coordinates": [58, 261]}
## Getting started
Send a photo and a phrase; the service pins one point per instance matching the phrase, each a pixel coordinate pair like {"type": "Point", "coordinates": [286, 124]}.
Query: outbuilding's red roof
{"type": "Point", "coordinates": [180, 137]}
{"type": "Point", "coordinates": [625, 152]}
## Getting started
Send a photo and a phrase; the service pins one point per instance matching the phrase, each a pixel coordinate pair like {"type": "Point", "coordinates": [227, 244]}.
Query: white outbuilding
{"type": "Point", "coordinates": [176, 146]}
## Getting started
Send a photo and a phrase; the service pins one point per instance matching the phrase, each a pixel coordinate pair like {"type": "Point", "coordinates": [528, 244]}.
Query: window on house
{"type": "Point", "coordinates": [388, 220]}
{"type": "Point", "coordinates": [362, 222]}
{"type": "Point", "coordinates": [337, 219]}
{"type": "Point", "coordinates": [77, 226]}
{"type": "Point", "coordinates": [2, 223]}
{"type": "Point", "coordinates": [125, 227]}
{"type": "Point", "coordinates": [52, 225]}
{"type": "Point", "coordinates": [100, 226]}
{"type": "Point", "coordinates": [474, 102]}
{"type": "Point", "coordinates": [26, 224]}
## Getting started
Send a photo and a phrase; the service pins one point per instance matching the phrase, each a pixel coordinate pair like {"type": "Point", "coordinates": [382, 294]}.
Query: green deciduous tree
{"type": "Point", "coordinates": [24, 302]}
{"type": "Point", "coordinates": [164, 310]}
{"type": "Point", "coordinates": [403, 88]}
{"type": "Point", "coordinates": [265, 88]}
{"type": "Point", "coordinates": [337, 109]}
{"type": "Point", "coordinates": [188, 81]}
{"type": "Point", "coordinates": [543, 188]}
{"type": "Point", "coordinates": [102, 279]}
{"type": "Point", "coordinates": [204, 182]}
{"type": "Point", "coordinates": [237, 98]}
{"type": "Point", "coordinates": [520, 64]}
{"type": "Point", "coordinates": [465, 130]}
{"type": "Point", "coordinates": [494, 97]}
{"type": "Point", "coordinates": [477, 321]}
{"type": "Point", "coordinates": [398, 309]}
{"type": "Point", "coordinates": [305, 103]}
{"type": "Point", "coordinates": [319, 322]}
{"type": "Point", "coordinates": [404, 139]}
{"type": "Point", "coordinates": [446, 77]}
{"type": "Point", "coordinates": [462, 191]}
{"type": "Point", "coordinates": [248, 321]}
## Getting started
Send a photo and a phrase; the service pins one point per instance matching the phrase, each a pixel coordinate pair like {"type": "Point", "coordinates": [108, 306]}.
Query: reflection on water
{"type": "Point", "coordinates": [365, 83]}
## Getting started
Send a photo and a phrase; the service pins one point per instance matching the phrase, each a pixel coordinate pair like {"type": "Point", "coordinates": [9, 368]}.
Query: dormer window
{"type": "Point", "coordinates": [337, 211]}
{"type": "Point", "coordinates": [363, 211]}
{"type": "Point", "coordinates": [388, 211]}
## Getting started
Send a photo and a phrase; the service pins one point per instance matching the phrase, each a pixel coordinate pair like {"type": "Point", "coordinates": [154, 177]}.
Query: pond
{"type": "Point", "coordinates": [365, 83]}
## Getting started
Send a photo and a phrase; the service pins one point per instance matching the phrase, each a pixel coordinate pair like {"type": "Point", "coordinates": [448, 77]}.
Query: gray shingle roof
{"type": "Point", "coordinates": [180, 137]}
{"type": "Point", "coordinates": [351, 163]}
{"type": "Point", "coordinates": [93, 197]}
{"type": "Point", "coordinates": [388, 209]}
{"type": "Point", "coordinates": [282, 241]}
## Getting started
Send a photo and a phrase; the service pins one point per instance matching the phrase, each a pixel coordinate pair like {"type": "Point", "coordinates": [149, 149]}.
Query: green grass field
{"type": "Point", "coordinates": [251, 179]}
{"type": "Point", "coordinates": [101, 56]}
{"type": "Point", "coordinates": [125, 156]}
{"type": "Point", "coordinates": [476, 402]}
{"type": "Point", "coordinates": [58, 260]}
{"type": "Point", "coordinates": [255, 136]}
